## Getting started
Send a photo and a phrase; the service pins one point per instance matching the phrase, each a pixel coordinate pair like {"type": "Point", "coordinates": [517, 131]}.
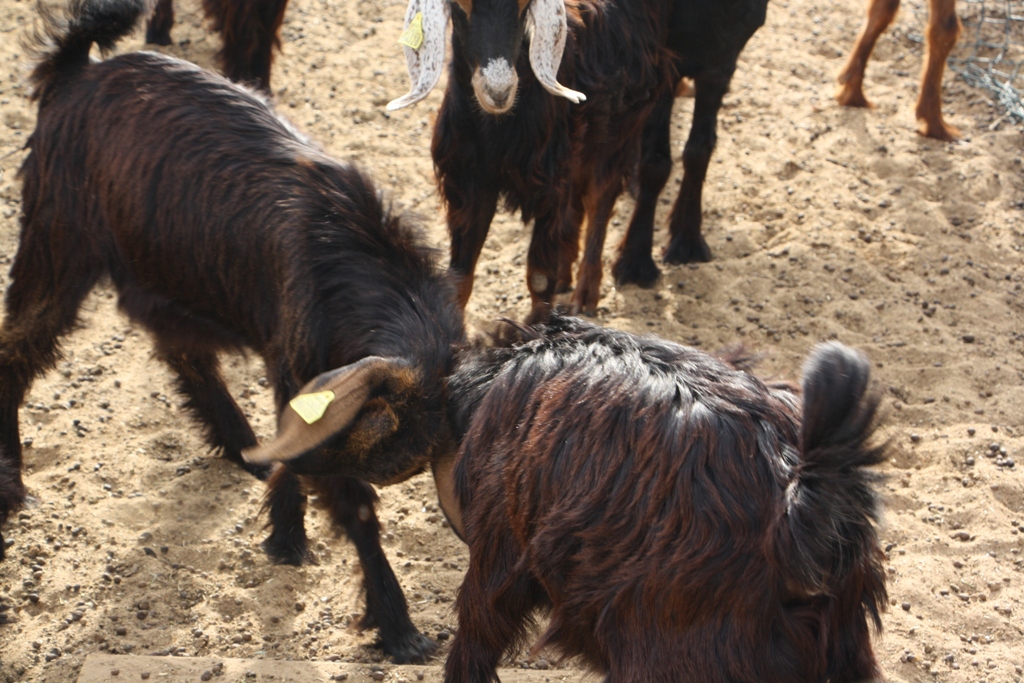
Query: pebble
{"type": "Point", "coordinates": [339, 677]}
{"type": "Point", "coordinates": [970, 461]}
{"type": "Point", "coordinates": [144, 675]}
{"type": "Point", "coordinates": [115, 672]}
{"type": "Point", "coordinates": [444, 634]}
{"type": "Point", "coordinates": [206, 675]}
{"type": "Point", "coordinates": [906, 606]}
{"type": "Point", "coordinates": [377, 675]}
{"type": "Point", "coordinates": [121, 630]}
{"type": "Point", "coordinates": [970, 431]}
{"type": "Point", "coordinates": [141, 614]}
{"type": "Point", "coordinates": [968, 338]}
{"type": "Point", "coordinates": [915, 437]}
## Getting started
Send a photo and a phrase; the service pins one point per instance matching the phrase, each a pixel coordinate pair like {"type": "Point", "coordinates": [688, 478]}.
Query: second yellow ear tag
{"type": "Point", "coordinates": [311, 407]}
{"type": "Point", "coordinates": [413, 35]}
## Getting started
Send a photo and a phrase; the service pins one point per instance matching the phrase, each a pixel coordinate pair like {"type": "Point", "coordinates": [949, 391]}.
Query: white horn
{"type": "Point", "coordinates": [547, 43]}
{"type": "Point", "coordinates": [426, 22]}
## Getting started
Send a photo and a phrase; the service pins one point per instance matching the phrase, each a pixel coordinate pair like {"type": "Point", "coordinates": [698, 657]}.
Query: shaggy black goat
{"type": "Point", "coordinates": [680, 519]}
{"type": "Point", "coordinates": [250, 30]}
{"type": "Point", "coordinates": [501, 135]}
{"type": "Point", "coordinates": [223, 228]}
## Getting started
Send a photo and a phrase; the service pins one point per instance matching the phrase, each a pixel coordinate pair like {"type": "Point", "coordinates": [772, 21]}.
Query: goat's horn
{"type": "Point", "coordinates": [426, 22]}
{"type": "Point", "coordinates": [324, 407]}
{"type": "Point", "coordinates": [547, 43]}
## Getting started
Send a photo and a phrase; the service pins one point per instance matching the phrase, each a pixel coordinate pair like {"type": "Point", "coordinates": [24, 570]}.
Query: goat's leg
{"type": "Point", "coordinates": [851, 79]}
{"type": "Point", "coordinates": [599, 202]}
{"type": "Point", "coordinates": [493, 606]}
{"type": "Point", "coordinates": [468, 226]}
{"type": "Point", "coordinates": [250, 33]}
{"type": "Point", "coordinates": [285, 503]}
{"type": "Point", "coordinates": [550, 234]}
{"type": "Point", "coordinates": [686, 244]}
{"type": "Point", "coordinates": [48, 284]}
{"type": "Point", "coordinates": [570, 248]}
{"type": "Point", "coordinates": [158, 29]}
{"type": "Point", "coordinates": [943, 32]}
{"type": "Point", "coordinates": [351, 502]}
{"type": "Point", "coordinates": [210, 402]}
{"type": "Point", "coordinates": [634, 264]}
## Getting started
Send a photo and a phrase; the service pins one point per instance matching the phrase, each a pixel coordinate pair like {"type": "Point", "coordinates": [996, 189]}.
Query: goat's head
{"type": "Point", "coordinates": [490, 33]}
{"type": "Point", "coordinates": [370, 420]}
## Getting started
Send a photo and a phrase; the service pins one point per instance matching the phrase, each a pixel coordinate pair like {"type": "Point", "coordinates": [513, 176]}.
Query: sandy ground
{"type": "Point", "coordinates": [824, 223]}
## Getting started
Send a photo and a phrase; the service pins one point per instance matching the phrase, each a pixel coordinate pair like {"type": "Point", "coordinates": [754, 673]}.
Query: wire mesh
{"type": "Point", "coordinates": [990, 53]}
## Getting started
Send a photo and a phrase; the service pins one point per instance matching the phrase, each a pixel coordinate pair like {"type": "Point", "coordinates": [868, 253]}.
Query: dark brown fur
{"type": "Point", "coordinates": [223, 228]}
{"type": "Point", "coordinates": [250, 30]}
{"type": "Point", "coordinates": [559, 163]}
{"type": "Point", "coordinates": [680, 519]}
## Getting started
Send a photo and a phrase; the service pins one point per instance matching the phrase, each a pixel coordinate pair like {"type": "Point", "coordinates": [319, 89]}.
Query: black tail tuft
{"type": "Point", "coordinates": [833, 506]}
{"type": "Point", "coordinates": [63, 43]}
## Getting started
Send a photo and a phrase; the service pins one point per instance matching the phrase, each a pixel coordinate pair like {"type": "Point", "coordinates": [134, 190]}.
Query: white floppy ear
{"type": "Point", "coordinates": [546, 19]}
{"type": "Point", "coordinates": [426, 22]}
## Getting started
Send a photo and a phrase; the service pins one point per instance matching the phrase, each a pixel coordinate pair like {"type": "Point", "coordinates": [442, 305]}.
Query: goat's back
{"type": "Point", "coordinates": [643, 482]}
{"type": "Point", "coordinates": [189, 189]}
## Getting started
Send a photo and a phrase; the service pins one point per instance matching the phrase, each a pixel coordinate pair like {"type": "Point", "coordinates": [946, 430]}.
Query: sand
{"type": "Point", "coordinates": [824, 223]}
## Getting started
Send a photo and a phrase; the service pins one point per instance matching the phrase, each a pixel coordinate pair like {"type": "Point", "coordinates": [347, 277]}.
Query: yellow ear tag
{"type": "Point", "coordinates": [413, 35]}
{"type": "Point", "coordinates": [311, 407]}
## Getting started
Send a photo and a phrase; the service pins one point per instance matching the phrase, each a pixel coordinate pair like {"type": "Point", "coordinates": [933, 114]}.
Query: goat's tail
{"type": "Point", "coordinates": [62, 43]}
{"type": "Point", "coordinates": [832, 505]}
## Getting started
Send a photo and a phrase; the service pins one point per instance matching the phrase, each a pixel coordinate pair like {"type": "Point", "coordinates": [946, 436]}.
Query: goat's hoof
{"type": "Point", "coordinates": [3, 547]}
{"type": "Point", "coordinates": [939, 131]}
{"type": "Point", "coordinates": [261, 472]}
{"type": "Point", "coordinates": [409, 648]}
{"type": "Point", "coordinates": [850, 94]}
{"type": "Point", "coordinates": [287, 551]}
{"type": "Point", "coordinates": [639, 271]}
{"type": "Point", "coordinates": [687, 251]}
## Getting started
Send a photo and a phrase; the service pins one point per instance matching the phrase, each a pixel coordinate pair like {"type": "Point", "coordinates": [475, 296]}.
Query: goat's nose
{"type": "Point", "coordinates": [500, 97]}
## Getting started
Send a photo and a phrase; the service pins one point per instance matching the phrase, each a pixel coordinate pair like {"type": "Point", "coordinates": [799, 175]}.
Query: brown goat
{"type": "Point", "coordinates": [680, 519]}
{"type": "Point", "coordinates": [223, 228]}
{"type": "Point", "coordinates": [940, 38]}
{"type": "Point", "coordinates": [250, 30]}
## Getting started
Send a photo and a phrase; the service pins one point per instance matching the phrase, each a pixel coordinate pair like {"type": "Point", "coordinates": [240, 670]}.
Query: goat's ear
{"type": "Point", "coordinates": [331, 404]}
{"type": "Point", "coordinates": [426, 22]}
{"type": "Point", "coordinates": [546, 20]}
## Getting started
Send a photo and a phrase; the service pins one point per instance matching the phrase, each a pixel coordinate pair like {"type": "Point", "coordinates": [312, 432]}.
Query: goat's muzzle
{"type": "Point", "coordinates": [495, 86]}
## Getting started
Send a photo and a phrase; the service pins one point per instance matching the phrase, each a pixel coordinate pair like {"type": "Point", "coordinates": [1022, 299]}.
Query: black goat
{"type": "Point", "coordinates": [222, 228]}
{"type": "Point", "coordinates": [250, 30]}
{"type": "Point", "coordinates": [500, 135]}
{"type": "Point", "coordinates": [680, 519]}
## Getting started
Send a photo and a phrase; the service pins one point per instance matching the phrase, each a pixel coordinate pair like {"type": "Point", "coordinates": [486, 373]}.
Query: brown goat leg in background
{"type": "Point", "coordinates": [351, 505]}
{"type": "Point", "coordinates": [686, 244]}
{"type": "Point", "coordinates": [250, 30]}
{"type": "Point", "coordinates": [468, 230]}
{"type": "Point", "coordinates": [599, 202]}
{"type": "Point", "coordinates": [158, 29]}
{"type": "Point", "coordinates": [942, 34]}
{"type": "Point", "coordinates": [634, 264]}
{"type": "Point", "coordinates": [550, 234]}
{"type": "Point", "coordinates": [851, 79]}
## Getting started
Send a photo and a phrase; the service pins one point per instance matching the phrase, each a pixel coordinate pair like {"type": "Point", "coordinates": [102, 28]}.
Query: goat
{"type": "Point", "coordinates": [680, 519]}
{"type": "Point", "coordinates": [500, 135]}
{"type": "Point", "coordinates": [222, 227]}
{"type": "Point", "coordinates": [250, 30]}
{"type": "Point", "coordinates": [940, 38]}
